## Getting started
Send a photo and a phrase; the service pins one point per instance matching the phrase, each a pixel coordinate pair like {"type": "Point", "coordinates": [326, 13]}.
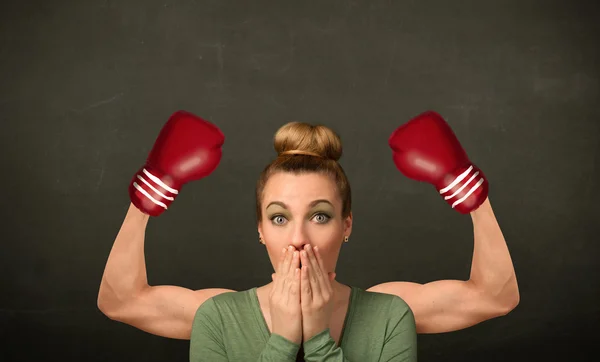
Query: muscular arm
{"type": "Point", "coordinates": [125, 295]}
{"type": "Point", "coordinates": [449, 305]}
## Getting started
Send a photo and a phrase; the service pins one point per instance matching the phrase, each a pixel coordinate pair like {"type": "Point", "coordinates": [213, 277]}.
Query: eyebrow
{"type": "Point", "coordinates": [311, 204]}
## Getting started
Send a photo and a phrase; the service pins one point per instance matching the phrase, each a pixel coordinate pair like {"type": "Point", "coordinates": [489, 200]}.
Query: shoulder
{"type": "Point", "coordinates": [392, 314]}
{"type": "Point", "coordinates": [223, 300]}
{"type": "Point", "coordinates": [215, 313]}
{"type": "Point", "coordinates": [227, 302]}
{"type": "Point", "coordinates": [213, 308]}
{"type": "Point", "coordinates": [392, 305]}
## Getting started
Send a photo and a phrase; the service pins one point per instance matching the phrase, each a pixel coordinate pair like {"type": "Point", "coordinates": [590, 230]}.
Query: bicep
{"type": "Point", "coordinates": [165, 310]}
{"type": "Point", "coordinates": [443, 306]}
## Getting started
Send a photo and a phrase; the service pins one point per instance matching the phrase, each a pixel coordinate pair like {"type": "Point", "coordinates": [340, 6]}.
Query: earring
{"type": "Point", "coordinates": [345, 239]}
{"type": "Point", "coordinates": [260, 240]}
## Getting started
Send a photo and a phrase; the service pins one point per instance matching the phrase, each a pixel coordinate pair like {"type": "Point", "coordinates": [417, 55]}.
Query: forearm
{"type": "Point", "coordinates": [279, 349]}
{"type": "Point", "coordinates": [492, 269]}
{"type": "Point", "coordinates": [322, 347]}
{"type": "Point", "coordinates": [125, 270]}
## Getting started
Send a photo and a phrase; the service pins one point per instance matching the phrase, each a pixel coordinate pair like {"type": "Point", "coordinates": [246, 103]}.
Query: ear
{"type": "Point", "coordinates": [348, 225]}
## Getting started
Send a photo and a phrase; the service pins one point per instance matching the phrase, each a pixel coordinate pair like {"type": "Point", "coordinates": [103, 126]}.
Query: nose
{"type": "Point", "coordinates": [299, 237]}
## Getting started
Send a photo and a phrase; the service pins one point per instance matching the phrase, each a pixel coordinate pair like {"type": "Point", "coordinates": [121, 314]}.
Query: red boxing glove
{"type": "Point", "coordinates": [188, 148]}
{"type": "Point", "coordinates": [426, 149]}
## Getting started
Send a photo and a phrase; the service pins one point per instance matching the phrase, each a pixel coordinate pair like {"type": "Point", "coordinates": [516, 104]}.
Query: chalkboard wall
{"type": "Point", "coordinates": [87, 85]}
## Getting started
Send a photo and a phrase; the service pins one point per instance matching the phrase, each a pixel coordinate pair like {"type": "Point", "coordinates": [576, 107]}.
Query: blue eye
{"type": "Point", "coordinates": [321, 218]}
{"type": "Point", "coordinates": [279, 218]}
{"type": "Point", "coordinates": [324, 218]}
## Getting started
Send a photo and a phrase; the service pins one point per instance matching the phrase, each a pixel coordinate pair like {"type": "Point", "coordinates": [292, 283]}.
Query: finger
{"type": "Point", "coordinates": [281, 260]}
{"type": "Point", "coordinates": [292, 285]}
{"type": "Point", "coordinates": [325, 281]}
{"type": "Point", "coordinates": [294, 290]}
{"type": "Point", "coordinates": [285, 267]}
{"type": "Point", "coordinates": [318, 259]}
{"type": "Point", "coordinates": [305, 286]}
{"type": "Point", "coordinates": [316, 269]}
{"type": "Point", "coordinates": [318, 272]}
{"type": "Point", "coordinates": [283, 273]}
{"type": "Point", "coordinates": [291, 274]}
{"type": "Point", "coordinates": [294, 263]}
{"type": "Point", "coordinates": [313, 277]}
{"type": "Point", "coordinates": [277, 287]}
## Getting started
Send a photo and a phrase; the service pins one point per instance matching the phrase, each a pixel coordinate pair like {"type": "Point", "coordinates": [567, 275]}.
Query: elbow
{"type": "Point", "coordinates": [513, 296]}
{"type": "Point", "coordinates": [509, 305]}
{"type": "Point", "coordinates": [108, 303]}
{"type": "Point", "coordinates": [509, 300]}
{"type": "Point", "coordinates": [107, 307]}
{"type": "Point", "coordinates": [513, 301]}
{"type": "Point", "coordinates": [502, 301]}
{"type": "Point", "coordinates": [116, 305]}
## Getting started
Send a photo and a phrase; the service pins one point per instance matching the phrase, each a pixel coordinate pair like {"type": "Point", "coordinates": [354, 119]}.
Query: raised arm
{"type": "Point", "coordinates": [125, 295]}
{"type": "Point", "coordinates": [491, 291]}
{"type": "Point", "coordinates": [426, 149]}
{"type": "Point", "coordinates": [188, 148]}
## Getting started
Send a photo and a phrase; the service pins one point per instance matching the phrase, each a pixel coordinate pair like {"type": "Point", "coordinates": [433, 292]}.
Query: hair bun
{"type": "Point", "coordinates": [307, 139]}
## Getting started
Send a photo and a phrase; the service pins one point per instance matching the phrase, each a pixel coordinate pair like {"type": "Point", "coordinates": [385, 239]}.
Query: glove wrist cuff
{"type": "Point", "coordinates": [464, 189]}
{"type": "Point", "coordinates": [151, 191]}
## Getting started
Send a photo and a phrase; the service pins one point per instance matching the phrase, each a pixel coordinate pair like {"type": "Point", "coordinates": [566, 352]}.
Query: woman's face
{"type": "Point", "coordinates": [303, 209]}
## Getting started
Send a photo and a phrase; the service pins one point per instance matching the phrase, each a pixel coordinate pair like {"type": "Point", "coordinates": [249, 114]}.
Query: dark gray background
{"type": "Point", "coordinates": [87, 85]}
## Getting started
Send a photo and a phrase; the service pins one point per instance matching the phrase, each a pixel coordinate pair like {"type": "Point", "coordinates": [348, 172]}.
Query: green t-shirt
{"type": "Point", "coordinates": [230, 327]}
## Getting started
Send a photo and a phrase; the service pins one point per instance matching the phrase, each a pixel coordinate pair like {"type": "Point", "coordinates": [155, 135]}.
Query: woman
{"type": "Point", "coordinates": [304, 204]}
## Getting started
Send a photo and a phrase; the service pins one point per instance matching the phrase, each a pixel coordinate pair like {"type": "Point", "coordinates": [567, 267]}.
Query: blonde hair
{"type": "Point", "coordinates": [304, 148]}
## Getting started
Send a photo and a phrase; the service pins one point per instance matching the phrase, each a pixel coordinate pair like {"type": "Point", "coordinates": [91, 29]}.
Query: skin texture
{"type": "Point", "coordinates": [317, 298]}
{"type": "Point", "coordinates": [491, 291]}
{"type": "Point", "coordinates": [301, 213]}
{"type": "Point", "coordinates": [301, 301]}
{"type": "Point", "coordinates": [439, 306]}
{"type": "Point", "coordinates": [301, 222]}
